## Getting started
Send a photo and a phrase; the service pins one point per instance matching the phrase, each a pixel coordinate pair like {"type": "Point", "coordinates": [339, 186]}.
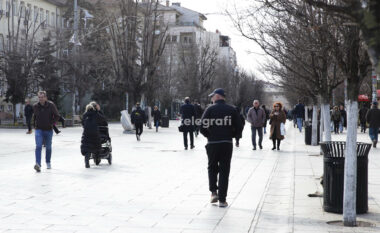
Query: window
{"type": "Point", "coordinates": [59, 20]}
{"type": "Point", "coordinates": [174, 39]}
{"type": "Point", "coordinates": [10, 108]}
{"type": "Point", "coordinates": [47, 19]}
{"type": "Point", "coordinates": [22, 9]}
{"type": "Point", "coordinates": [52, 19]}
{"type": "Point", "coordinates": [42, 16]}
{"type": "Point", "coordinates": [35, 13]}
{"type": "Point", "coordinates": [14, 8]}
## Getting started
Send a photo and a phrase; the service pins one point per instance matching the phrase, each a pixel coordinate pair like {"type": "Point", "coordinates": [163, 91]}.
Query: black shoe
{"type": "Point", "coordinates": [237, 144]}
{"type": "Point", "coordinates": [278, 148]}
{"type": "Point", "coordinates": [37, 168]}
{"type": "Point", "coordinates": [273, 148]}
{"type": "Point", "coordinates": [87, 161]}
{"type": "Point", "coordinates": [374, 144]}
{"type": "Point", "coordinates": [58, 132]}
{"type": "Point", "coordinates": [192, 147]}
{"type": "Point", "coordinates": [185, 148]}
{"type": "Point", "coordinates": [254, 148]}
{"type": "Point", "coordinates": [261, 147]}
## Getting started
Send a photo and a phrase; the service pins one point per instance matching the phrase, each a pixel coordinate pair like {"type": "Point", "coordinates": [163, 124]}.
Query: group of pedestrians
{"type": "Point", "coordinates": [338, 119]}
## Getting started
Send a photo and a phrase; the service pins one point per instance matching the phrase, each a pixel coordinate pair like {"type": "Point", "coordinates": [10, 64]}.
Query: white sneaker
{"type": "Point", "coordinates": [48, 166]}
{"type": "Point", "coordinates": [37, 168]}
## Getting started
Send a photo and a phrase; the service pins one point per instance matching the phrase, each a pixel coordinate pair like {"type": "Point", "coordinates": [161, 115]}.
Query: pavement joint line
{"type": "Point", "coordinates": [260, 205]}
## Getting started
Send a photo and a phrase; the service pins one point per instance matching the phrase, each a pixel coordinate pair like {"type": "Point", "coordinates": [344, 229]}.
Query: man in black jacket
{"type": "Point", "coordinates": [28, 113]}
{"type": "Point", "coordinates": [188, 122]}
{"type": "Point", "coordinates": [373, 119]}
{"type": "Point", "coordinates": [220, 123]}
{"type": "Point", "coordinates": [198, 116]}
{"type": "Point", "coordinates": [138, 118]}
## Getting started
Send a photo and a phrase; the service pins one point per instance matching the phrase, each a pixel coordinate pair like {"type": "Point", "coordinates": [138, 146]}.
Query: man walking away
{"type": "Point", "coordinates": [373, 118]}
{"type": "Point", "coordinates": [188, 122]}
{"type": "Point", "coordinates": [362, 117]}
{"type": "Point", "coordinates": [257, 117]}
{"type": "Point", "coordinates": [220, 123]}
{"type": "Point", "coordinates": [267, 112]}
{"type": "Point", "coordinates": [138, 119]}
{"type": "Point", "coordinates": [156, 114]}
{"type": "Point", "coordinates": [28, 113]}
{"type": "Point", "coordinates": [299, 112]}
{"type": "Point", "coordinates": [45, 116]}
{"type": "Point", "coordinates": [343, 120]}
{"type": "Point", "coordinates": [198, 116]}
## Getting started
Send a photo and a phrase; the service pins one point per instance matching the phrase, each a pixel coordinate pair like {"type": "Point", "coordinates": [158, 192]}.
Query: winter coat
{"type": "Point", "coordinates": [276, 121]}
{"type": "Point", "coordinates": [28, 111]}
{"type": "Point", "coordinates": [198, 111]}
{"type": "Point", "coordinates": [224, 132]}
{"type": "Point", "coordinates": [90, 142]}
{"type": "Point", "coordinates": [45, 116]}
{"type": "Point", "coordinates": [156, 114]}
{"type": "Point", "coordinates": [188, 115]}
{"type": "Point", "coordinates": [373, 118]}
{"type": "Point", "coordinates": [299, 111]}
{"type": "Point", "coordinates": [343, 114]}
{"type": "Point", "coordinates": [256, 117]}
{"type": "Point", "coordinates": [362, 115]}
{"type": "Point", "coordinates": [138, 116]}
{"type": "Point", "coordinates": [336, 115]}
{"type": "Point", "coordinates": [240, 132]}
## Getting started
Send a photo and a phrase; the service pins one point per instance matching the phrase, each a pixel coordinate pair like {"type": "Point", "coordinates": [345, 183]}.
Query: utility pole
{"type": "Point", "coordinates": [374, 85]}
{"type": "Point", "coordinates": [75, 54]}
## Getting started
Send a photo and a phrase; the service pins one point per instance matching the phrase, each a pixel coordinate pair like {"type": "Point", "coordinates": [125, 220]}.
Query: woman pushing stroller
{"type": "Point", "coordinates": [91, 140]}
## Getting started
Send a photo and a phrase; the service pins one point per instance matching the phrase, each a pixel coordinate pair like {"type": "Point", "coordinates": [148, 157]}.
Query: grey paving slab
{"type": "Point", "coordinates": [156, 186]}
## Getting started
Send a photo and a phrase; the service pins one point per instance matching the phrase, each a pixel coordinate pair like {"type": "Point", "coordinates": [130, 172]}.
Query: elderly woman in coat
{"type": "Point", "coordinates": [277, 117]}
{"type": "Point", "coordinates": [90, 143]}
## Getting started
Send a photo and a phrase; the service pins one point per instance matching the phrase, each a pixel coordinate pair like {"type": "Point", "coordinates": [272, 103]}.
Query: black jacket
{"type": "Point", "coordinates": [230, 127]}
{"type": "Point", "coordinates": [362, 114]}
{"type": "Point", "coordinates": [198, 111]}
{"type": "Point", "coordinates": [156, 114]}
{"type": "Point", "coordinates": [188, 113]}
{"type": "Point", "coordinates": [28, 111]}
{"type": "Point", "coordinates": [299, 111]}
{"type": "Point", "coordinates": [373, 118]}
{"type": "Point", "coordinates": [90, 142]}
{"type": "Point", "coordinates": [138, 116]}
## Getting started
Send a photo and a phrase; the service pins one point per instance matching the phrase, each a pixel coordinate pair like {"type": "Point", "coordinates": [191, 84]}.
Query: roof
{"type": "Point", "coordinates": [161, 7]}
{"type": "Point", "coordinates": [187, 9]}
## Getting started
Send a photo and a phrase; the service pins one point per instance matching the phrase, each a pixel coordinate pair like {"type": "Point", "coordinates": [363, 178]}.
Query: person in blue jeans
{"type": "Point", "coordinates": [299, 112]}
{"type": "Point", "coordinates": [373, 118]}
{"type": "Point", "coordinates": [45, 116]}
{"type": "Point", "coordinates": [156, 114]}
{"type": "Point", "coordinates": [257, 117]}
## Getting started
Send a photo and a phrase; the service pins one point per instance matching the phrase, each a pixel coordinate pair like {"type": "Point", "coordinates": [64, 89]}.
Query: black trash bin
{"type": "Point", "coordinates": [308, 132]}
{"type": "Point", "coordinates": [165, 122]}
{"type": "Point", "coordinates": [333, 176]}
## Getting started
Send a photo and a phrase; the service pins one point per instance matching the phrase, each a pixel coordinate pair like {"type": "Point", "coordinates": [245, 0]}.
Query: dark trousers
{"type": "Point", "coordinates": [336, 127]}
{"type": "Point", "coordinates": [363, 126]}
{"type": "Point", "coordinates": [29, 123]}
{"type": "Point", "coordinates": [259, 132]}
{"type": "Point", "coordinates": [219, 161]}
{"type": "Point", "coordinates": [185, 138]}
{"type": "Point", "coordinates": [139, 128]}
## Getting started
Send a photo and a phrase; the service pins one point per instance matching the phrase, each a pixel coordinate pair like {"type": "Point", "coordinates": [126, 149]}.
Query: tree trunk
{"type": "Point", "coordinates": [321, 130]}
{"type": "Point", "coordinates": [326, 121]}
{"type": "Point", "coordinates": [14, 114]}
{"type": "Point", "coordinates": [350, 166]}
{"type": "Point", "coordinates": [314, 131]}
{"type": "Point", "coordinates": [306, 114]}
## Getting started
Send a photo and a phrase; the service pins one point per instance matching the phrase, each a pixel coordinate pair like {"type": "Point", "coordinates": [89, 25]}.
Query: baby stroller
{"type": "Point", "coordinates": [106, 150]}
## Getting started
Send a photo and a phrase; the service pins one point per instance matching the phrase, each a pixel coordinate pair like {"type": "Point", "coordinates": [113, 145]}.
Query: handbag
{"type": "Point", "coordinates": [180, 128]}
{"type": "Point", "coordinates": [282, 128]}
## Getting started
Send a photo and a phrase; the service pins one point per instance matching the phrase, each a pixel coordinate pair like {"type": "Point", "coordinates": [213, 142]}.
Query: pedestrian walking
{"type": "Point", "coordinates": [257, 117]}
{"type": "Point", "coordinates": [91, 143]}
{"type": "Point", "coordinates": [240, 133]}
{"type": "Point", "coordinates": [277, 119]}
{"type": "Point", "coordinates": [373, 119]}
{"type": "Point", "coordinates": [299, 112]}
{"type": "Point", "coordinates": [28, 113]}
{"type": "Point", "coordinates": [198, 116]}
{"type": "Point", "coordinates": [343, 118]}
{"type": "Point", "coordinates": [220, 123]}
{"type": "Point", "coordinates": [156, 114]}
{"type": "Point", "coordinates": [267, 112]}
{"type": "Point", "coordinates": [188, 115]}
{"type": "Point", "coordinates": [362, 118]}
{"type": "Point", "coordinates": [45, 116]}
{"type": "Point", "coordinates": [138, 118]}
{"type": "Point", "coordinates": [336, 117]}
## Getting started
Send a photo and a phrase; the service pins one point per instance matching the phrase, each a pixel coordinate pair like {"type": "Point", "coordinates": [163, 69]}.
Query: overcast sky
{"type": "Point", "coordinates": [249, 62]}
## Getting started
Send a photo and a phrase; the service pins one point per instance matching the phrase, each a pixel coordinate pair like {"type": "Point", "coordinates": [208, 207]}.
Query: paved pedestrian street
{"type": "Point", "coordinates": [156, 186]}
